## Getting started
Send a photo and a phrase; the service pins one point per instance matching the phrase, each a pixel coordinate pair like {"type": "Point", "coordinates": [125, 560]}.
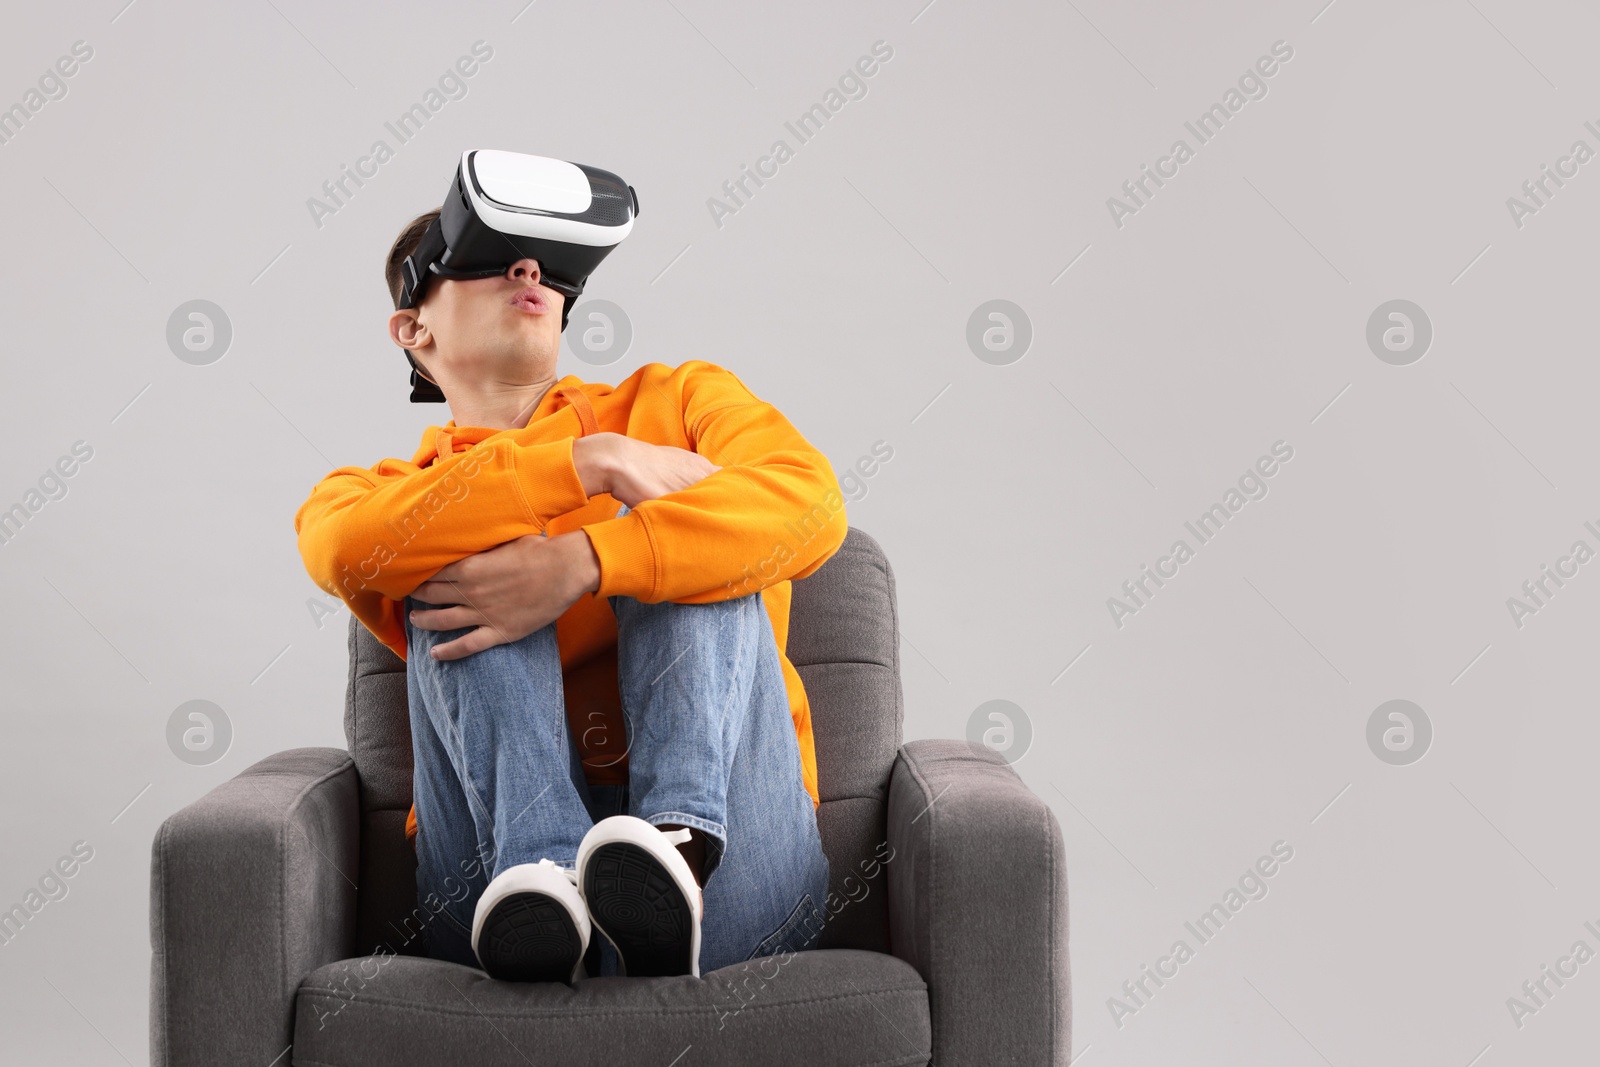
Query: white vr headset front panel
{"type": "Point", "coordinates": [530, 181]}
{"type": "Point", "coordinates": [534, 182]}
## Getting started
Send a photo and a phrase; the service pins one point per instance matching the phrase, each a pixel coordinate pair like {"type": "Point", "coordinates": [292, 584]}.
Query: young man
{"type": "Point", "coordinates": [590, 587]}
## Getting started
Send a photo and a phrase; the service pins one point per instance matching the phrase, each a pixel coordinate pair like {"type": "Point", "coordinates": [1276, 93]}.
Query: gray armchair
{"type": "Point", "coordinates": [284, 916]}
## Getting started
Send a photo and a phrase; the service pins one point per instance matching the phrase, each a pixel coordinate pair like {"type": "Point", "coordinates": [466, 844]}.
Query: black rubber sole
{"type": "Point", "coordinates": [529, 937]}
{"type": "Point", "coordinates": [639, 906]}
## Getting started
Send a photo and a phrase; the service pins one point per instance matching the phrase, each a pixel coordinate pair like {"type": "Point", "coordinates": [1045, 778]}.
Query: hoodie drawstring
{"type": "Point", "coordinates": [580, 404]}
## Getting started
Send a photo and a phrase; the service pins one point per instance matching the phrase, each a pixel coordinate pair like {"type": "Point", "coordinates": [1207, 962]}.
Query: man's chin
{"type": "Point", "coordinates": [544, 330]}
{"type": "Point", "coordinates": [533, 357]}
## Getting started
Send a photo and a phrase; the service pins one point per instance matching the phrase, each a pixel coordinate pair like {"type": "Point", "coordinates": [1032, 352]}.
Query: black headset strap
{"type": "Point", "coordinates": [414, 271]}
{"type": "Point", "coordinates": [422, 390]}
{"type": "Point", "coordinates": [413, 279]}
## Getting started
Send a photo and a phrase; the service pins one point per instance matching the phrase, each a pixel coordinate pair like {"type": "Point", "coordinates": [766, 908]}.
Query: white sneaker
{"type": "Point", "coordinates": [531, 925]}
{"type": "Point", "coordinates": [642, 895]}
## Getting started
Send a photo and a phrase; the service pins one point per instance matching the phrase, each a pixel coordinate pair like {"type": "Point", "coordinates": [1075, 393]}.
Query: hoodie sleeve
{"type": "Point", "coordinates": [370, 533]}
{"type": "Point", "coordinates": [774, 511]}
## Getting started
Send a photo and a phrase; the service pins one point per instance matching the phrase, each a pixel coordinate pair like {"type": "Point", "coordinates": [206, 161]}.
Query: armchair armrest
{"type": "Point", "coordinates": [977, 886]}
{"type": "Point", "coordinates": [252, 887]}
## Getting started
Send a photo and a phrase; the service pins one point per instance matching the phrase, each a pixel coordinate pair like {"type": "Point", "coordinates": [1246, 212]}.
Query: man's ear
{"type": "Point", "coordinates": [408, 331]}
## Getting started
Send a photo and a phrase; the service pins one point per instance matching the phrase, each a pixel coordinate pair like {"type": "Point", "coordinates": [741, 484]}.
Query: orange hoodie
{"type": "Point", "coordinates": [371, 536]}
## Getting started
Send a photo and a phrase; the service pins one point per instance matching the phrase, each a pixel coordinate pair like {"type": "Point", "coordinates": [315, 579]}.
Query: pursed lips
{"type": "Point", "coordinates": [530, 300]}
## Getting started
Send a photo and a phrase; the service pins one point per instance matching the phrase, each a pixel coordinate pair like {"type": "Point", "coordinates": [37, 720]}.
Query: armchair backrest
{"type": "Point", "coordinates": [844, 639]}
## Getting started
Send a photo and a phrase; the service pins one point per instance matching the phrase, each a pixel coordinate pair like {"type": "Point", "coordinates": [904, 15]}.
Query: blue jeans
{"type": "Point", "coordinates": [710, 744]}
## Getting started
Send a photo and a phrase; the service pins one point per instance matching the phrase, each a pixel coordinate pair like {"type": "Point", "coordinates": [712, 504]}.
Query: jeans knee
{"type": "Point", "coordinates": [745, 603]}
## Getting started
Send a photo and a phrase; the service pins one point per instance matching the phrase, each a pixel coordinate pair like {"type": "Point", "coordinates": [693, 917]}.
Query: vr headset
{"type": "Point", "coordinates": [506, 206]}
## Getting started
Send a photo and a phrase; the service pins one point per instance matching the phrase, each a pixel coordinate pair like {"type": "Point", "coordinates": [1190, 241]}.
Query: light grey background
{"type": "Point", "coordinates": [1226, 315]}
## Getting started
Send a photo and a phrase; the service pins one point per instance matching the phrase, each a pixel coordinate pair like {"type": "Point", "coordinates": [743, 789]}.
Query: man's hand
{"type": "Point", "coordinates": [508, 591]}
{"type": "Point", "coordinates": [632, 470]}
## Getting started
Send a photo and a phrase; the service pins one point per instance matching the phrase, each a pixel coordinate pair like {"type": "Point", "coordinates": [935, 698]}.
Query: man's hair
{"type": "Point", "coordinates": [403, 246]}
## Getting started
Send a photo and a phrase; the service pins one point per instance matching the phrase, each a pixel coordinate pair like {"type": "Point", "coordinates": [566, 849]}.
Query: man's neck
{"type": "Point", "coordinates": [498, 407]}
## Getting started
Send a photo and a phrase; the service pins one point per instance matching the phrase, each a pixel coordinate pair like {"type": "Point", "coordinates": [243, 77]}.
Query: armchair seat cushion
{"type": "Point", "coordinates": [824, 1006]}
